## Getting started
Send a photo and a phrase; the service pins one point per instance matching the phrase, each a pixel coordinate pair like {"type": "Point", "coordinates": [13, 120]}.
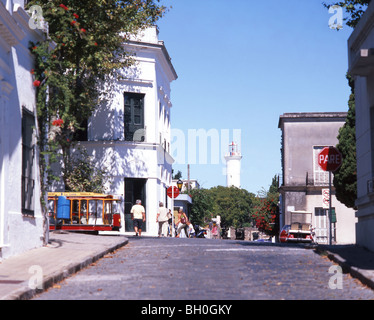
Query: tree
{"type": "Point", "coordinates": [83, 175]}
{"type": "Point", "coordinates": [266, 211]}
{"type": "Point", "coordinates": [202, 206]}
{"type": "Point", "coordinates": [354, 8]}
{"type": "Point", "coordinates": [82, 50]}
{"type": "Point", "coordinates": [178, 175]}
{"type": "Point", "coordinates": [234, 205]}
{"type": "Point", "coordinates": [345, 178]}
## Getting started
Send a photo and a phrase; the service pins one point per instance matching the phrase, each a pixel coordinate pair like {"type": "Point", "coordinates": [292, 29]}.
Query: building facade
{"type": "Point", "coordinates": [361, 68]}
{"type": "Point", "coordinates": [21, 221]}
{"type": "Point", "coordinates": [304, 183]}
{"type": "Point", "coordinates": [129, 134]}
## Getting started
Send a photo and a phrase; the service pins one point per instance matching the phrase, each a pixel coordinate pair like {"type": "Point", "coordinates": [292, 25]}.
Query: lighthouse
{"type": "Point", "coordinates": [233, 159]}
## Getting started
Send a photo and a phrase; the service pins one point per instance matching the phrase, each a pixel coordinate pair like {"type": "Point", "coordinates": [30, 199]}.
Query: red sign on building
{"type": "Point", "coordinates": [330, 159]}
{"type": "Point", "coordinates": [169, 192]}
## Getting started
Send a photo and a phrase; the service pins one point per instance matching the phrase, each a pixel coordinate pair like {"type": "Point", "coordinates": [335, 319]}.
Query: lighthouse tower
{"type": "Point", "coordinates": [233, 159]}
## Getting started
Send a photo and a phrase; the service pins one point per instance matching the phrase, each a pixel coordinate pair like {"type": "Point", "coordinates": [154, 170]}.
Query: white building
{"type": "Point", "coordinates": [233, 166]}
{"type": "Point", "coordinates": [21, 221]}
{"type": "Point", "coordinates": [130, 136]}
{"type": "Point", "coordinates": [361, 68]}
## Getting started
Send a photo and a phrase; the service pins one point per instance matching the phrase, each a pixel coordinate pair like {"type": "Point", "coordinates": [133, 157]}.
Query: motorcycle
{"type": "Point", "coordinates": [199, 232]}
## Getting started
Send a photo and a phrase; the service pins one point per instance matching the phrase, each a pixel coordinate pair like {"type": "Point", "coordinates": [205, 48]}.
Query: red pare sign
{"type": "Point", "coordinates": [330, 159]}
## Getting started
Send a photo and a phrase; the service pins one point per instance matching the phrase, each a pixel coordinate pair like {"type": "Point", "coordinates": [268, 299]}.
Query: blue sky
{"type": "Point", "coordinates": [243, 63]}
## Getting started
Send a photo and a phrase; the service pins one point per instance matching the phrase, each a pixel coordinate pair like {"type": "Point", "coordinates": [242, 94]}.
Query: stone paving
{"type": "Point", "coordinates": [203, 269]}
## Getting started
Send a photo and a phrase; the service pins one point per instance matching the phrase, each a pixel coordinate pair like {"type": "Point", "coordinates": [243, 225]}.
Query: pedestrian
{"type": "Point", "coordinates": [182, 223]}
{"type": "Point", "coordinates": [162, 219]}
{"type": "Point", "coordinates": [138, 217]}
{"type": "Point", "coordinates": [215, 231]}
{"type": "Point", "coordinates": [170, 221]}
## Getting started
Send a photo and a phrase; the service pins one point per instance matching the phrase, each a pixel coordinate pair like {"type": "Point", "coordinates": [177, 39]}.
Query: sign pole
{"type": "Point", "coordinates": [330, 159]}
{"type": "Point", "coordinates": [172, 211]}
{"type": "Point", "coordinates": [172, 193]}
{"type": "Point", "coordinates": [330, 211]}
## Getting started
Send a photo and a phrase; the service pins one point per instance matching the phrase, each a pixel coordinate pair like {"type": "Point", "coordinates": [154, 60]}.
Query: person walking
{"type": "Point", "coordinates": [182, 223]}
{"type": "Point", "coordinates": [138, 217]}
{"type": "Point", "coordinates": [162, 219]}
{"type": "Point", "coordinates": [170, 221]}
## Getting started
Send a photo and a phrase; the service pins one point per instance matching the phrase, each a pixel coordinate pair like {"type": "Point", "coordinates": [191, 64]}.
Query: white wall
{"type": "Point", "coordinates": [18, 232]}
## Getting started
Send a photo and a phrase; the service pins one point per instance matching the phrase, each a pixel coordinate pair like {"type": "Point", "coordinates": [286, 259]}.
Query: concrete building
{"type": "Point", "coordinates": [129, 134]}
{"type": "Point", "coordinates": [361, 68]}
{"type": "Point", "coordinates": [21, 221]}
{"type": "Point", "coordinates": [233, 166]}
{"type": "Point", "coordinates": [303, 136]}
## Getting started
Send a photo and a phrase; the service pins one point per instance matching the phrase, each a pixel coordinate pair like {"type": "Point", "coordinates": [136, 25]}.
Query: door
{"type": "Point", "coordinates": [134, 190]}
{"type": "Point", "coordinates": [321, 225]}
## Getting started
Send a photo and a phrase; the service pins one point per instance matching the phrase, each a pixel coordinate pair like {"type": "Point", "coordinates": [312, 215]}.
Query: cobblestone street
{"type": "Point", "coordinates": [201, 269]}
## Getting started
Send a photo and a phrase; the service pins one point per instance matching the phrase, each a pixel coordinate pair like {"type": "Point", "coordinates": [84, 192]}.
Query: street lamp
{"type": "Point", "coordinates": [180, 184]}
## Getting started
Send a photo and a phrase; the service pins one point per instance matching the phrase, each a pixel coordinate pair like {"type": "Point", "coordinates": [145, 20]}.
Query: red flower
{"type": "Point", "coordinates": [32, 71]}
{"type": "Point", "coordinates": [95, 44]}
{"type": "Point", "coordinates": [36, 83]}
{"type": "Point", "coordinates": [83, 30]}
{"type": "Point", "coordinates": [64, 7]}
{"type": "Point", "coordinates": [58, 122]}
{"type": "Point", "coordinates": [73, 22]}
{"type": "Point", "coordinates": [75, 15]}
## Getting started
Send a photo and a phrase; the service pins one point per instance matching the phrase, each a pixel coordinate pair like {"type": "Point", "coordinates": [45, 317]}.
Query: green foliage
{"type": "Point", "coordinates": [237, 207]}
{"type": "Point", "coordinates": [266, 212]}
{"type": "Point", "coordinates": [82, 175]}
{"type": "Point", "coordinates": [202, 206]}
{"type": "Point", "coordinates": [345, 178]}
{"type": "Point", "coordinates": [354, 8]}
{"type": "Point", "coordinates": [234, 205]}
{"type": "Point", "coordinates": [178, 175]}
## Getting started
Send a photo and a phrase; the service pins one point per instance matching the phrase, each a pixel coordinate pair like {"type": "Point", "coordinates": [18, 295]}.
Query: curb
{"type": "Point", "coordinates": [27, 293]}
{"type": "Point", "coordinates": [355, 272]}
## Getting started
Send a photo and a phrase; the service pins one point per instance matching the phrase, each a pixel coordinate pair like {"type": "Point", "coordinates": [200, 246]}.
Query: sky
{"type": "Point", "coordinates": [241, 64]}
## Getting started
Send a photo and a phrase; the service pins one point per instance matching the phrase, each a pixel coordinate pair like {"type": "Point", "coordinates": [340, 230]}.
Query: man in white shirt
{"type": "Point", "coordinates": [162, 219]}
{"type": "Point", "coordinates": [138, 217]}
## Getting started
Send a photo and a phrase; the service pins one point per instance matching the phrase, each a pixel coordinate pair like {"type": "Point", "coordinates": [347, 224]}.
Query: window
{"type": "Point", "coordinates": [28, 156]}
{"type": "Point", "coordinates": [134, 117]}
{"type": "Point", "coordinates": [321, 177]}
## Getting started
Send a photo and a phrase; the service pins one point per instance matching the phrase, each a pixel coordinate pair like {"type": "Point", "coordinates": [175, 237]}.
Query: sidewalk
{"type": "Point", "coordinates": [355, 260]}
{"type": "Point", "coordinates": [66, 254]}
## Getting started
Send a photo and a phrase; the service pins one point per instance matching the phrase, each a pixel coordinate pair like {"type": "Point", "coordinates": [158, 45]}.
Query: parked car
{"type": "Point", "coordinates": [283, 234]}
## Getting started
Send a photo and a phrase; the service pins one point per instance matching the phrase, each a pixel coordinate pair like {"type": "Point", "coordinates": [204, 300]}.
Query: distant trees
{"type": "Point", "coordinates": [232, 204]}
{"type": "Point", "coordinates": [237, 208]}
{"type": "Point", "coordinates": [266, 211]}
